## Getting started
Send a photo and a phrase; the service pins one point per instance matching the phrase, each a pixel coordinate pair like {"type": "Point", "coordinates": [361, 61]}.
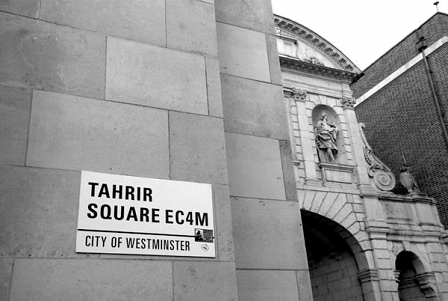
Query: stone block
{"type": "Point", "coordinates": [339, 203]}
{"type": "Point", "coordinates": [28, 8]}
{"type": "Point", "coordinates": [243, 52]}
{"type": "Point", "coordinates": [76, 133]}
{"type": "Point", "coordinates": [304, 284]}
{"type": "Point", "coordinates": [191, 26]}
{"type": "Point", "coordinates": [5, 277]}
{"type": "Point", "coordinates": [91, 279]}
{"type": "Point", "coordinates": [46, 56]}
{"type": "Point", "coordinates": [213, 87]}
{"type": "Point", "coordinates": [266, 234]}
{"type": "Point", "coordinates": [274, 63]}
{"type": "Point", "coordinates": [197, 148]}
{"type": "Point", "coordinates": [267, 285]}
{"type": "Point", "coordinates": [251, 14]}
{"type": "Point", "coordinates": [39, 212]}
{"type": "Point", "coordinates": [224, 232]}
{"type": "Point", "coordinates": [138, 20]}
{"type": "Point", "coordinates": [197, 281]}
{"type": "Point", "coordinates": [425, 215]}
{"type": "Point", "coordinates": [253, 108]}
{"type": "Point", "coordinates": [255, 168]}
{"type": "Point", "coordinates": [288, 171]}
{"type": "Point", "coordinates": [15, 106]}
{"type": "Point", "coordinates": [155, 77]}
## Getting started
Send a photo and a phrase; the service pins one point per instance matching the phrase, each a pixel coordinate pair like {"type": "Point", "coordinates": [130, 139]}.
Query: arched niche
{"type": "Point", "coordinates": [334, 122]}
{"type": "Point", "coordinates": [414, 283]}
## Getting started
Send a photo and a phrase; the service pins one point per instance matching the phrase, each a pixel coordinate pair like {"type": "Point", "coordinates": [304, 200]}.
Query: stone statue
{"type": "Point", "coordinates": [326, 135]}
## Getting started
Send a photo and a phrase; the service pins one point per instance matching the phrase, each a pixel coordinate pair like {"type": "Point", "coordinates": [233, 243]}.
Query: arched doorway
{"type": "Point", "coordinates": [332, 263]}
{"type": "Point", "coordinates": [414, 284]}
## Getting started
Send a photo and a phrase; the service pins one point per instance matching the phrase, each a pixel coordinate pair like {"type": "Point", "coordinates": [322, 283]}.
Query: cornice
{"type": "Point", "coordinates": [295, 29]}
{"type": "Point", "coordinates": [298, 65]}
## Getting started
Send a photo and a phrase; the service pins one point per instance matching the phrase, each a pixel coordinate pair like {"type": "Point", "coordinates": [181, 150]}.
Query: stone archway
{"type": "Point", "coordinates": [414, 283]}
{"type": "Point", "coordinates": [334, 268]}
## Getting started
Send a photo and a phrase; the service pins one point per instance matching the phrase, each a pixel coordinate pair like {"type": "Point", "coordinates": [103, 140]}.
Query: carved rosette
{"type": "Point", "coordinates": [348, 103]}
{"type": "Point", "coordinates": [383, 178]}
{"type": "Point", "coordinates": [299, 94]}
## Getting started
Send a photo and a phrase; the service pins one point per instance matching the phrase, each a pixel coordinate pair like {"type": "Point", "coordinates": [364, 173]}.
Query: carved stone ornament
{"type": "Point", "coordinates": [426, 283]}
{"type": "Point", "coordinates": [408, 181]}
{"type": "Point", "coordinates": [314, 60]}
{"type": "Point", "coordinates": [326, 134]}
{"type": "Point", "coordinates": [383, 178]}
{"type": "Point", "coordinates": [299, 94]}
{"type": "Point", "coordinates": [348, 103]}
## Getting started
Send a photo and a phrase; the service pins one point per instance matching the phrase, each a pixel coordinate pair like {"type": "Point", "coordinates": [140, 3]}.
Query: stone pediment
{"type": "Point", "coordinates": [325, 54]}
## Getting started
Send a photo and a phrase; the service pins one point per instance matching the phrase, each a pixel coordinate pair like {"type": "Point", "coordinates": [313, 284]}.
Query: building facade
{"type": "Point", "coordinates": [363, 241]}
{"type": "Point", "coordinates": [190, 93]}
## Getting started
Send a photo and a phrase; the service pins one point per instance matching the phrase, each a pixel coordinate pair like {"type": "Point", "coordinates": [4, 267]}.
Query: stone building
{"type": "Point", "coordinates": [100, 103]}
{"type": "Point", "coordinates": [361, 239]}
{"type": "Point", "coordinates": [403, 95]}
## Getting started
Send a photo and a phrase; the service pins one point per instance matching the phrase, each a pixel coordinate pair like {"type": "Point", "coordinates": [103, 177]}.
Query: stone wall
{"type": "Point", "coordinates": [130, 88]}
{"type": "Point", "coordinates": [269, 245]}
{"type": "Point", "coordinates": [336, 278]}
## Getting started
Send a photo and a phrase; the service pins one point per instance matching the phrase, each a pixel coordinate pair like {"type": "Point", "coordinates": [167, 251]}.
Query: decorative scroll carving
{"type": "Point", "coordinates": [348, 103]}
{"type": "Point", "coordinates": [299, 94]}
{"type": "Point", "coordinates": [383, 178]}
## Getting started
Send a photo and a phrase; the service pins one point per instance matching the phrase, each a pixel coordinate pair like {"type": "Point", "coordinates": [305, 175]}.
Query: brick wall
{"type": "Point", "coordinates": [401, 120]}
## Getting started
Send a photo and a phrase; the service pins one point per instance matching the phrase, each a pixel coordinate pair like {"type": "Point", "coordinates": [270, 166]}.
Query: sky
{"type": "Point", "coordinates": [363, 30]}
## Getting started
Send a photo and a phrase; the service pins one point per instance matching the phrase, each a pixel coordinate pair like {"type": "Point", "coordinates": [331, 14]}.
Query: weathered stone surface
{"type": "Point", "coordinates": [243, 52]}
{"type": "Point", "coordinates": [39, 212]}
{"type": "Point", "coordinates": [45, 56]}
{"type": "Point", "coordinates": [91, 279]}
{"type": "Point", "coordinates": [213, 87]}
{"type": "Point", "coordinates": [138, 20]}
{"type": "Point", "coordinates": [255, 168]}
{"type": "Point", "coordinates": [197, 148]}
{"type": "Point", "coordinates": [157, 77]}
{"type": "Point", "coordinates": [266, 234]}
{"type": "Point", "coordinates": [226, 249]}
{"type": "Point", "coordinates": [76, 133]}
{"type": "Point", "coordinates": [5, 277]}
{"type": "Point", "coordinates": [14, 120]}
{"type": "Point", "coordinates": [267, 285]}
{"type": "Point", "coordinates": [191, 26]}
{"type": "Point", "coordinates": [253, 108]}
{"type": "Point", "coordinates": [304, 284]}
{"type": "Point", "coordinates": [204, 281]}
{"type": "Point", "coordinates": [252, 14]}
{"type": "Point", "coordinates": [288, 171]}
{"type": "Point", "coordinates": [29, 8]}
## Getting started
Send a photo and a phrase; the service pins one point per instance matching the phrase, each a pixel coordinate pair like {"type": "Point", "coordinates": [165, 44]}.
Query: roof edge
{"type": "Point", "coordinates": [316, 40]}
{"type": "Point", "coordinates": [408, 35]}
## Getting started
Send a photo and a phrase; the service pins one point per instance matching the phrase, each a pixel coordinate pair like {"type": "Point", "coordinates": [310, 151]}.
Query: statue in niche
{"type": "Point", "coordinates": [326, 133]}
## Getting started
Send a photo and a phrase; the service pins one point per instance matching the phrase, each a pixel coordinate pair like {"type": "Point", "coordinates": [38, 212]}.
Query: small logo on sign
{"type": "Point", "coordinates": [203, 235]}
{"type": "Point", "coordinates": [204, 247]}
